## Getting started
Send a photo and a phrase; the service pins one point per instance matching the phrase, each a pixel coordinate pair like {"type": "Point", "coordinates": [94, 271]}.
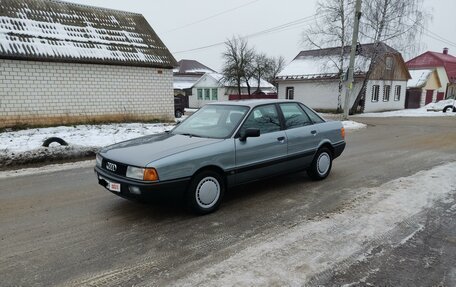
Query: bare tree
{"type": "Point", "coordinates": [398, 23]}
{"type": "Point", "coordinates": [332, 28]}
{"type": "Point", "coordinates": [238, 63]}
{"type": "Point", "coordinates": [277, 65]}
{"type": "Point", "coordinates": [262, 65]}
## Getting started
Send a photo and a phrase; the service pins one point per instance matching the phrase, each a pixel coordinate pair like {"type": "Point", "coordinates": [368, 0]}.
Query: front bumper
{"type": "Point", "coordinates": [133, 189]}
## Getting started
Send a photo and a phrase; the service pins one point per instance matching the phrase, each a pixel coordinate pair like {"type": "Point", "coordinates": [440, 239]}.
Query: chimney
{"type": "Point", "coordinates": [445, 51]}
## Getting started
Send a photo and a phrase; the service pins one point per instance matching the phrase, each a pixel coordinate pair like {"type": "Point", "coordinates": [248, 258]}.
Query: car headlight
{"type": "Point", "coordinates": [99, 160]}
{"type": "Point", "coordinates": [147, 174]}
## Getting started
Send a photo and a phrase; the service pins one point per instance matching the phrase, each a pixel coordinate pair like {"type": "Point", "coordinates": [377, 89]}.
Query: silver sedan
{"type": "Point", "coordinates": [222, 145]}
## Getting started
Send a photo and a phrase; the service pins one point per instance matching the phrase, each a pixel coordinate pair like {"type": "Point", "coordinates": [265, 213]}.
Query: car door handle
{"type": "Point", "coordinates": [313, 132]}
{"type": "Point", "coordinates": [281, 139]}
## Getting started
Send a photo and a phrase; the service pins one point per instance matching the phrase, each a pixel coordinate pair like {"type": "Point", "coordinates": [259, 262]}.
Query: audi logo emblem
{"type": "Point", "coordinates": [111, 166]}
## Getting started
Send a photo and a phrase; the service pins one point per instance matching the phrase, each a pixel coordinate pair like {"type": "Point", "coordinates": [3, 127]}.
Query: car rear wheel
{"type": "Point", "coordinates": [321, 164]}
{"type": "Point", "coordinates": [205, 192]}
{"type": "Point", "coordinates": [178, 113]}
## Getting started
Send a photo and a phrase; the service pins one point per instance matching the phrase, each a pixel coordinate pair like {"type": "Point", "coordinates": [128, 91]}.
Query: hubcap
{"type": "Point", "coordinates": [323, 163]}
{"type": "Point", "coordinates": [207, 192]}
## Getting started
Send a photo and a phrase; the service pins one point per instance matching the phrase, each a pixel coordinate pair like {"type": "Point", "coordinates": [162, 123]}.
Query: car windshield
{"type": "Point", "coordinates": [212, 121]}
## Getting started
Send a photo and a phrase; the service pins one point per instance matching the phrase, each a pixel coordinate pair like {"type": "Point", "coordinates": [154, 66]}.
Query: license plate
{"type": "Point", "coordinates": [112, 186]}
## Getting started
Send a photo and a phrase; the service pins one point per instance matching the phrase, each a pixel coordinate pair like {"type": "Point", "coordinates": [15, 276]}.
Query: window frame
{"type": "Point", "coordinates": [375, 95]}
{"type": "Point", "coordinates": [199, 94]}
{"type": "Point", "coordinates": [386, 93]}
{"type": "Point", "coordinates": [397, 96]}
{"type": "Point", "coordinates": [214, 94]}
{"type": "Point", "coordinates": [298, 106]}
{"type": "Point", "coordinates": [287, 93]}
{"type": "Point", "coordinates": [389, 63]}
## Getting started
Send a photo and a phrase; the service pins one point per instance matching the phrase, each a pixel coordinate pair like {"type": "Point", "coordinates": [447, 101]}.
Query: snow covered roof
{"type": "Point", "coordinates": [323, 63]}
{"type": "Point", "coordinates": [51, 30]}
{"type": "Point", "coordinates": [182, 82]}
{"type": "Point", "coordinates": [191, 67]}
{"type": "Point", "coordinates": [252, 82]}
{"type": "Point", "coordinates": [419, 78]}
{"type": "Point", "coordinates": [307, 67]}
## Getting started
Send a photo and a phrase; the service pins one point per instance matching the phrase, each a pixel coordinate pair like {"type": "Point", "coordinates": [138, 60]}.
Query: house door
{"type": "Point", "coordinates": [412, 99]}
{"type": "Point", "coordinates": [440, 96]}
{"type": "Point", "coordinates": [429, 94]}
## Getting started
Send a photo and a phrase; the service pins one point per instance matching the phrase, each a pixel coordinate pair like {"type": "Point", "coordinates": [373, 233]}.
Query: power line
{"type": "Point", "coordinates": [282, 27]}
{"type": "Point", "coordinates": [213, 16]}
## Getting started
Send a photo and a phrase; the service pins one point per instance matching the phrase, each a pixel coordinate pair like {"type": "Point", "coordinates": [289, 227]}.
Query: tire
{"type": "Point", "coordinates": [50, 140]}
{"type": "Point", "coordinates": [449, 109]}
{"type": "Point", "coordinates": [321, 164]}
{"type": "Point", "coordinates": [205, 192]}
{"type": "Point", "coordinates": [178, 113]}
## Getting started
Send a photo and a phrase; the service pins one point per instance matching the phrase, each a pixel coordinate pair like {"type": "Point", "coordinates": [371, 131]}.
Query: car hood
{"type": "Point", "coordinates": [143, 150]}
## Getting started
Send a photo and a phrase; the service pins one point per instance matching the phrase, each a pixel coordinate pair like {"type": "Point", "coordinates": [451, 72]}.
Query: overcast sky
{"type": "Point", "coordinates": [183, 25]}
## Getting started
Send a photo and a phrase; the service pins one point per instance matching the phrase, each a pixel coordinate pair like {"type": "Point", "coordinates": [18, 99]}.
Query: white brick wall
{"type": "Point", "coordinates": [40, 92]}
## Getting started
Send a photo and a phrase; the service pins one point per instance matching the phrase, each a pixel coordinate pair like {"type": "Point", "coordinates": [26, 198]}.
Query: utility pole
{"type": "Point", "coordinates": [351, 67]}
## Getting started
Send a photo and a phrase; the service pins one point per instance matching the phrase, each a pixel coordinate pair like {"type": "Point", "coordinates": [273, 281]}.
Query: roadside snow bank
{"type": "Point", "coordinates": [291, 257]}
{"type": "Point", "coordinates": [351, 125]}
{"type": "Point", "coordinates": [82, 135]}
{"type": "Point", "coordinates": [24, 147]}
{"type": "Point", "coordinates": [46, 169]}
{"type": "Point", "coordinates": [430, 110]}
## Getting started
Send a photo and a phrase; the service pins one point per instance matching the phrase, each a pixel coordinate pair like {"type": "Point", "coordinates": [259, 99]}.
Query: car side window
{"type": "Point", "coordinates": [265, 118]}
{"type": "Point", "coordinates": [294, 116]}
{"type": "Point", "coordinates": [313, 116]}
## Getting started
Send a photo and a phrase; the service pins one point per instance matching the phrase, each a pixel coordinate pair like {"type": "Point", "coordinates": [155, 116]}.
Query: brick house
{"type": "Point", "coordinates": [68, 63]}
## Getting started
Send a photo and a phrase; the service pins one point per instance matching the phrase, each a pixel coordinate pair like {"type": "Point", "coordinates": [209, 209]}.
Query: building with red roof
{"type": "Point", "coordinates": [444, 66]}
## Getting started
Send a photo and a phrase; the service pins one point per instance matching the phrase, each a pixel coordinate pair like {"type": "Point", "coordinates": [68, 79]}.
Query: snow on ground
{"type": "Point", "coordinates": [291, 256]}
{"type": "Point", "coordinates": [46, 169]}
{"type": "Point", "coordinates": [82, 135]}
{"type": "Point", "coordinates": [351, 125]}
{"type": "Point", "coordinates": [430, 110]}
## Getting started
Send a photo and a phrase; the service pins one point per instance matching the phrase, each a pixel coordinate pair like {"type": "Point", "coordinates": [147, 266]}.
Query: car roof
{"type": "Point", "coordinates": [252, 103]}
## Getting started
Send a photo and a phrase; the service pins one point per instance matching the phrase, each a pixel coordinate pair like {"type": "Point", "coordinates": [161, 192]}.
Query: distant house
{"type": "Point", "coordinates": [212, 87]}
{"type": "Point", "coordinates": [68, 63]}
{"type": "Point", "coordinates": [185, 75]}
{"type": "Point", "coordinates": [444, 66]}
{"type": "Point", "coordinates": [421, 88]}
{"type": "Point", "coordinates": [312, 77]}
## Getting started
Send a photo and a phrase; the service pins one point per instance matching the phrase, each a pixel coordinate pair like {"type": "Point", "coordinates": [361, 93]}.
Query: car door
{"type": "Point", "coordinates": [259, 157]}
{"type": "Point", "coordinates": [303, 135]}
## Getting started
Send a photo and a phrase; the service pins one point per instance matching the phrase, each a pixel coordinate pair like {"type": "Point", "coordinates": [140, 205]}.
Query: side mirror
{"type": "Point", "coordinates": [250, 133]}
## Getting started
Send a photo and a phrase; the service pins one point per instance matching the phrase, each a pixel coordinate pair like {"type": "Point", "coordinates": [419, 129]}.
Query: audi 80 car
{"type": "Point", "coordinates": [222, 145]}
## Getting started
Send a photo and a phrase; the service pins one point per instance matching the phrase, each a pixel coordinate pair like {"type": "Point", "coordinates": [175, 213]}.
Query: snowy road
{"type": "Point", "coordinates": [385, 216]}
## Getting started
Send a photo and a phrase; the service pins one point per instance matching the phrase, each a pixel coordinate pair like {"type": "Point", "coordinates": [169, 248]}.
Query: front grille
{"type": "Point", "coordinates": [114, 167]}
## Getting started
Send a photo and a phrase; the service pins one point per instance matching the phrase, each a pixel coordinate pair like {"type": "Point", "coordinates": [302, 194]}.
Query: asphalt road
{"type": "Point", "coordinates": [63, 229]}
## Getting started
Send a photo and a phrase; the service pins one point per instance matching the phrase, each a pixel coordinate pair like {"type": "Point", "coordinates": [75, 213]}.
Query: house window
{"type": "Point", "coordinates": [199, 93]}
{"type": "Point", "coordinates": [386, 93]}
{"type": "Point", "coordinates": [397, 93]}
{"type": "Point", "coordinates": [389, 63]}
{"type": "Point", "coordinates": [214, 94]}
{"type": "Point", "coordinates": [207, 94]}
{"type": "Point", "coordinates": [290, 93]}
{"type": "Point", "coordinates": [375, 92]}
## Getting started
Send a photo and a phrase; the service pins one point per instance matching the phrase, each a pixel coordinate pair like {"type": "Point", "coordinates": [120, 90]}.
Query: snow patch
{"type": "Point", "coordinates": [46, 169]}
{"type": "Point", "coordinates": [351, 125]}
{"type": "Point", "coordinates": [293, 256]}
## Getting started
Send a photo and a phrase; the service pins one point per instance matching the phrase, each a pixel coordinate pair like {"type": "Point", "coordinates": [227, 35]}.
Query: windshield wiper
{"type": "Point", "coordinates": [190, 135]}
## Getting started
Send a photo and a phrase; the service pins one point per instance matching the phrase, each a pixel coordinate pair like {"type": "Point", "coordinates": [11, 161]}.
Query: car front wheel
{"type": "Point", "coordinates": [321, 164]}
{"type": "Point", "coordinates": [205, 192]}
